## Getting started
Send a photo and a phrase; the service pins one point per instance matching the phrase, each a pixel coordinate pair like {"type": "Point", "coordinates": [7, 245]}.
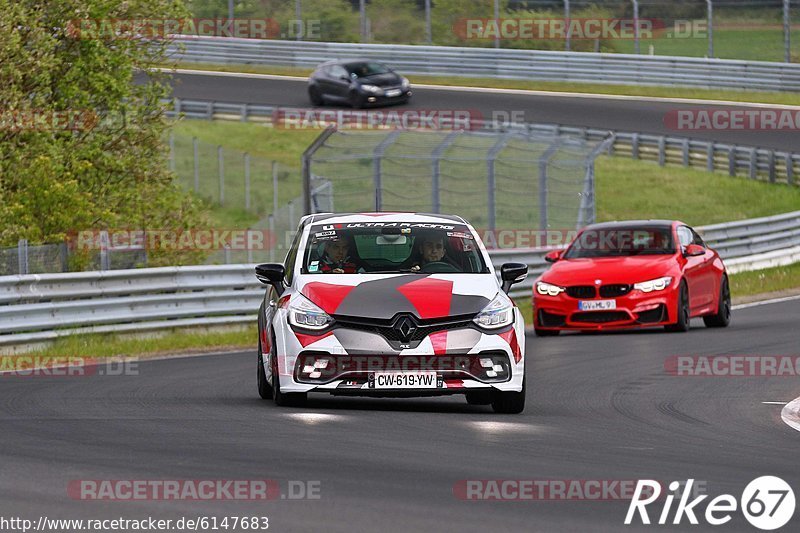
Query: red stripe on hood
{"type": "Point", "coordinates": [430, 297]}
{"type": "Point", "coordinates": [326, 295]}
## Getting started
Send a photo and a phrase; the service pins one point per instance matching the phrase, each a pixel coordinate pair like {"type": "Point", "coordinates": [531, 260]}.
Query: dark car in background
{"type": "Point", "coordinates": [358, 83]}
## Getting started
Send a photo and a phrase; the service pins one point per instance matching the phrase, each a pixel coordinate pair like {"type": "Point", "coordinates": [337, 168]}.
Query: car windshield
{"type": "Point", "coordinates": [392, 247]}
{"type": "Point", "coordinates": [366, 69]}
{"type": "Point", "coordinates": [621, 241]}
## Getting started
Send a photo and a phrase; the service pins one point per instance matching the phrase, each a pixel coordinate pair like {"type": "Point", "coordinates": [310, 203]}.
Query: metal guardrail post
{"type": "Point", "coordinates": [636, 26]}
{"type": "Point", "coordinates": [105, 260]}
{"type": "Point", "coordinates": [662, 151]}
{"type": "Point", "coordinates": [787, 33]}
{"type": "Point", "coordinates": [428, 31]}
{"type": "Point", "coordinates": [196, 159]}
{"type": "Point", "coordinates": [274, 186]}
{"type": "Point", "coordinates": [22, 256]}
{"type": "Point", "coordinates": [686, 154]}
{"type": "Point", "coordinates": [244, 112]}
{"type": "Point", "coordinates": [753, 163]}
{"type": "Point", "coordinates": [567, 41]}
{"type": "Point", "coordinates": [290, 207]}
{"type": "Point", "coordinates": [771, 165]}
{"type": "Point", "coordinates": [789, 169]}
{"type": "Point", "coordinates": [710, 156]}
{"type": "Point", "coordinates": [307, 155]}
{"type": "Point", "coordinates": [221, 168]}
{"type": "Point", "coordinates": [497, 21]}
{"type": "Point", "coordinates": [732, 161]}
{"type": "Point", "coordinates": [210, 110]}
{"type": "Point", "coordinates": [247, 181]}
{"type": "Point", "coordinates": [710, 18]}
{"type": "Point", "coordinates": [635, 146]}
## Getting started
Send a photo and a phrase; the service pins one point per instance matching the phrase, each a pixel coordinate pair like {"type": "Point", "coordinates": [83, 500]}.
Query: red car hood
{"type": "Point", "coordinates": [632, 269]}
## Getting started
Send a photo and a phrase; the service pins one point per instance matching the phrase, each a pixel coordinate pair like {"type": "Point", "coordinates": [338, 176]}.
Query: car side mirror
{"type": "Point", "coordinates": [693, 250]}
{"type": "Point", "coordinates": [271, 274]}
{"type": "Point", "coordinates": [512, 273]}
{"type": "Point", "coordinates": [555, 255]}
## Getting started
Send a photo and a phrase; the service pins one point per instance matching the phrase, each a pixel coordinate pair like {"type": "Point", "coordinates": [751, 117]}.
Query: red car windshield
{"type": "Point", "coordinates": [621, 241]}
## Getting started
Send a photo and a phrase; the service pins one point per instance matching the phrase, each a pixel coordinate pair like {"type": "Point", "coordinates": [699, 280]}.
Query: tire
{"type": "Point", "coordinates": [683, 311]}
{"type": "Point", "coordinates": [315, 96]}
{"type": "Point", "coordinates": [285, 399]}
{"type": "Point", "coordinates": [722, 317]}
{"type": "Point", "coordinates": [509, 403]}
{"type": "Point", "coordinates": [264, 388]}
{"type": "Point", "coordinates": [356, 100]}
{"type": "Point", "coordinates": [479, 397]}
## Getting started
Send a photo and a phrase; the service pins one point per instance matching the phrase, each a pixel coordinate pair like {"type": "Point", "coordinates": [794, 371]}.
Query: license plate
{"type": "Point", "coordinates": [403, 380]}
{"type": "Point", "coordinates": [393, 92]}
{"type": "Point", "coordinates": [597, 305]}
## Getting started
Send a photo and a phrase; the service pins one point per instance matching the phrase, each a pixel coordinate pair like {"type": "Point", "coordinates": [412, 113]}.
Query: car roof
{"type": "Point", "coordinates": [335, 218]}
{"type": "Point", "coordinates": [347, 62]}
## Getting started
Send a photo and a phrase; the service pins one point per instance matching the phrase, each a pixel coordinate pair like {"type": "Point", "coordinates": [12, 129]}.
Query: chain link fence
{"type": "Point", "coordinates": [765, 30]}
{"type": "Point", "coordinates": [496, 179]}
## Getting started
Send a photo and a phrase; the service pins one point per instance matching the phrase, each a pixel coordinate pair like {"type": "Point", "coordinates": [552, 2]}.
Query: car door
{"type": "Point", "coordinates": [708, 278]}
{"type": "Point", "coordinates": [339, 80]}
{"type": "Point", "coordinates": [696, 270]}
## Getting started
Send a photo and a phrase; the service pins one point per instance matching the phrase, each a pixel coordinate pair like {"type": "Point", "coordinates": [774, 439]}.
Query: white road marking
{"type": "Point", "coordinates": [766, 302]}
{"type": "Point", "coordinates": [774, 403]}
{"type": "Point", "coordinates": [791, 414]}
{"type": "Point", "coordinates": [494, 90]}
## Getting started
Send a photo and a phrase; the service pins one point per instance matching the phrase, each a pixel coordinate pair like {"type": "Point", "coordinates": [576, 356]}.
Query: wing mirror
{"type": "Point", "coordinates": [512, 273]}
{"type": "Point", "coordinates": [553, 256]}
{"type": "Point", "coordinates": [271, 274]}
{"type": "Point", "coordinates": [693, 250]}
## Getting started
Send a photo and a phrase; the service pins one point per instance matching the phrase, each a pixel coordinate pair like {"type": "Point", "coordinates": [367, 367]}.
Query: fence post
{"type": "Point", "coordinates": [22, 256]}
{"type": "Point", "coordinates": [291, 215]}
{"type": "Point", "coordinates": [490, 179]}
{"type": "Point", "coordinates": [789, 169]}
{"type": "Point", "coordinates": [273, 239]}
{"type": "Point", "coordinates": [428, 31]}
{"type": "Point", "coordinates": [710, 16]}
{"type": "Point", "coordinates": [543, 162]}
{"type": "Point", "coordinates": [662, 151]}
{"type": "Point", "coordinates": [787, 32]}
{"type": "Point", "coordinates": [635, 146]}
{"type": "Point", "coordinates": [63, 255]}
{"type": "Point", "coordinates": [753, 163]}
{"type": "Point", "coordinates": [436, 154]}
{"type": "Point", "coordinates": [244, 112]}
{"type": "Point", "coordinates": [377, 155]}
{"type": "Point", "coordinates": [247, 181]}
{"type": "Point", "coordinates": [105, 260]}
{"type": "Point", "coordinates": [298, 14]}
{"type": "Point", "coordinates": [497, 21]}
{"type": "Point", "coordinates": [636, 26]}
{"type": "Point", "coordinates": [567, 41]}
{"type": "Point", "coordinates": [172, 151]}
{"type": "Point", "coordinates": [196, 154]}
{"type": "Point", "coordinates": [274, 187]}
{"type": "Point", "coordinates": [221, 167]}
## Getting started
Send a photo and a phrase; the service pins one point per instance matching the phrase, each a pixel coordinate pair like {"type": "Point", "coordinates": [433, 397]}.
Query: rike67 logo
{"type": "Point", "coordinates": [767, 503]}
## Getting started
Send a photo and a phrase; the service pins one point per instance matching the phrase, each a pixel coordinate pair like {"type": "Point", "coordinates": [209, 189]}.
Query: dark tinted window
{"type": "Point", "coordinates": [362, 70]}
{"type": "Point", "coordinates": [621, 241]}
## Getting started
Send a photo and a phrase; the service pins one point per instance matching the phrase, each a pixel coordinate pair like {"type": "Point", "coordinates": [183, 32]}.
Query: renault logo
{"type": "Point", "coordinates": [405, 327]}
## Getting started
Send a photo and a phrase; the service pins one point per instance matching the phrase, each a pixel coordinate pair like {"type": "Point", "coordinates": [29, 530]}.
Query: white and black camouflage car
{"type": "Point", "coordinates": [390, 305]}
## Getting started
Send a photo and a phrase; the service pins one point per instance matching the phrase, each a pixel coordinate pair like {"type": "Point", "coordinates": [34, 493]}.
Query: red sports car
{"type": "Point", "coordinates": [630, 275]}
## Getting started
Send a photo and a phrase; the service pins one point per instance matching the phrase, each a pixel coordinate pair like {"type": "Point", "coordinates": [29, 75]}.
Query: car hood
{"type": "Point", "coordinates": [382, 296]}
{"type": "Point", "coordinates": [632, 269]}
{"type": "Point", "coordinates": [388, 79]}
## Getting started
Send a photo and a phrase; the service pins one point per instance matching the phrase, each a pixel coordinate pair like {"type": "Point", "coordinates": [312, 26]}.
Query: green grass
{"type": "Point", "coordinates": [788, 98]}
{"type": "Point", "coordinates": [164, 342]}
{"type": "Point", "coordinates": [629, 189]}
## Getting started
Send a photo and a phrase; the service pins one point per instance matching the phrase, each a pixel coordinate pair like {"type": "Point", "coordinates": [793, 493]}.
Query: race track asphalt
{"type": "Point", "coordinates": [600, 406]}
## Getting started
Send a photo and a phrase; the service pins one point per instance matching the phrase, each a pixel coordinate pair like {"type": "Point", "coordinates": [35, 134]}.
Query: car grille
{"type": "Point", "coordinates": [581, 291]}
{"type": "Point", "coordinates": [613, 291]}
{"type": "Point", "coordinates": [600, 317]}
{"type": "Point", "coordinates": [386, 328]}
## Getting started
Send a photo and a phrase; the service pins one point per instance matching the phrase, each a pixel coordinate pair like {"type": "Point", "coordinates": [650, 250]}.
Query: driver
{"type": "Point", "coordinates": [431, 251]}
{"type": "Point", "coordinates": [336, 258]}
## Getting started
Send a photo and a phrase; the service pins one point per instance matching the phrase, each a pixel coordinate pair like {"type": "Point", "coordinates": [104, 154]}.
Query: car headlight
{"type": "Point", "coordinates": [499, 313]}
{"type": "Point", "coordinates": [405, 83]}
{"type": "Point", "coordinates": [658, 284]}
{"type": "Point", "coordinates": [548, 289]}
{"type": "Point", "coordinates": [374, 89]}
{"type": "Point", "coordinates": [304, 313]}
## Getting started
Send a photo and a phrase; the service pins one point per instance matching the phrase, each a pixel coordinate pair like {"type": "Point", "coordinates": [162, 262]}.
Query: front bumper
{"type": "Point", "coordinates": [353, 357]}
{"type": "Point", "coordinates": [634, 310]}
{"type": "Point", "coordinates": [371, 99]}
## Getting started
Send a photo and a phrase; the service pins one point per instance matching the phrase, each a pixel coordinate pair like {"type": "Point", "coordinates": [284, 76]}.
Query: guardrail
{"type": "Point", "coordinates": [35, 308]}
{"type": "Point", "coordinates": [628, 69]}
{"type": "Point", "coordinates": [745, 161]}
